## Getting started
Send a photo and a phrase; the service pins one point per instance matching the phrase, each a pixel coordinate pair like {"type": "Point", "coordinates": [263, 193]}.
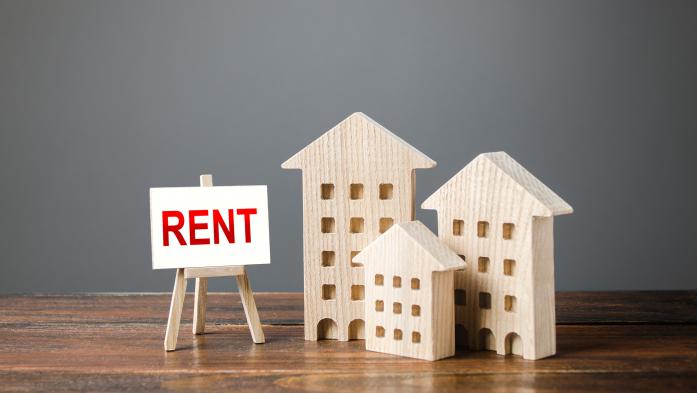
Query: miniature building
{"type": "Point", "coordinates": [409, 302]}
{"type": "Point", "coordinates": [499, 217]}
{"type": "Point", "coordinates": [358, 180]}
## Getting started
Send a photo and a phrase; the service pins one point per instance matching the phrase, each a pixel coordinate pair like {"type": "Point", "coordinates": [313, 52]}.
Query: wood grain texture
{"type": "Point", "coordinates": [357, 180]}
{"type": "Point", "coordinates": [200, 300]}
{"type": "Point", "coordinates": [630, 341]}
{"type": "Point", "coordinates": [250, 309]}
{"type": "Point", "coordinates": [175, 310]}
{"type": "Point", "coordinates": [499, 217]}
{"type": "Point", "coordinates": [214, 271]}
{"type": "Point", "coordinates": [286, 308]}
{"type": "Point", "coordinates": [409, 302]}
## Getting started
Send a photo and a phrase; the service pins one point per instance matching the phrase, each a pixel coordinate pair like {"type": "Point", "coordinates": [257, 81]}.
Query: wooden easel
{"type": "Point", "coordinates": [201, 274]}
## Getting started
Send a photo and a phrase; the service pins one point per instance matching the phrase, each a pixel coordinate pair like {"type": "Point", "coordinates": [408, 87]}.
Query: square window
{"type": "Point", "coordinates": [357, 292]}
{"type": "Point", "coordinates": [397, 281]}
{"type": "Point", "coordinates": [415, 283]}
{"type": "Point", "coordinates": [485, 300]}
{"type": "Point", "coordinates": [482, 229]}
{"type": "Point", "coordinates": [509, 303]}
{"type": "Point", "coordinates": [379, 279]}
{"type": "Point", "coordinates": [328, 291]}
{"type": "Point", "coordinates": [379, 331]}
{"type": "Point", "coordinates": [356, 191]}
{"type": "Point", "coordinates": [460, 297]}
{"type": "Point", "coordinates": [386, 191]}
{"type": "Point", "coordinates": [328, 258]}
{"type": "Point", "coordinates": [508, 231]}
{"type": "Point", "coordinates": [328, 225]}
{"type": "Point", "coordinates": [327, 191]}
{"type": "Point", "coordinates": [397, 307]}
{"type": "Point", "coordinates": [357, 225]}
{"type": "Point", "coordinates": [379, 305]}
{"type": "Point", "coordinates": [355, 264]}
{"type": "Point", "coordinates": [415, 337]}
{"type": "Point", "coordinates": [415, 310]}
{"type": "Point", "coordinates": [397, 334]}
{"type": "Point", "coordinates": [509, 267]}
{"type": "Point", "coordinates": [483, 265]}
{"type": "Point", "coordinates": [458, 225]}
{"type": "Point", "coordinates": [385, 223]}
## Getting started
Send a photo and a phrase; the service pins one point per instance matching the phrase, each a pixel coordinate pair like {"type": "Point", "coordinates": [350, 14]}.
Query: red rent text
{"type": "Point", "coordinates": [173, 222]}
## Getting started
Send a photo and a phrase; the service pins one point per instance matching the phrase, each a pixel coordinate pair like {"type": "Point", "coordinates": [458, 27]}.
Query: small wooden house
{"type": "Point", "coordinates": [409, 303]}
{"type": "Point", "coordinates": [358, 180]}
{"type": "Point", "coordinates": [499, 217]}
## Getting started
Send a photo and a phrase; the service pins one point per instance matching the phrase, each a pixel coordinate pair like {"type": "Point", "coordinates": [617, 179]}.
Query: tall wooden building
{"type": "Point", "coordinates": [358, 180]}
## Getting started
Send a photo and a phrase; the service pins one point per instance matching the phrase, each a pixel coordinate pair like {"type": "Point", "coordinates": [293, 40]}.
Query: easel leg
{"type": "Point", "coordinates": [250, 309]}
{"type": "Point", "coordinates": [200, 298]}
{"type": "Point", "coordinates": [175, 311]}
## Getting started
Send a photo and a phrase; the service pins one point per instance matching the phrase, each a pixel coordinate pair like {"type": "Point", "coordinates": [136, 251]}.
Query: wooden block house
{"type": "Point", "coordinates": [358, 180]}
{"type": "Point", "coordinates": [409, 301]}
{"type": "Point", "coordinates": [499, 217]}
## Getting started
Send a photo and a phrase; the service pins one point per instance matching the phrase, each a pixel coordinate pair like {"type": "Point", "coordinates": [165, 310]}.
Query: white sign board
{"type": "Point", "coordinates": [209, 226]}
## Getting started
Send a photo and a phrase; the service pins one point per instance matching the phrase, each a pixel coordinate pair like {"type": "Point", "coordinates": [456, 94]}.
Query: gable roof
{"type": "Point", "coordinates": [550, 203]}
{"type": "Point", "coordinates": [438, 255]}
{"type": "Point", "coordinates": [361, 122]}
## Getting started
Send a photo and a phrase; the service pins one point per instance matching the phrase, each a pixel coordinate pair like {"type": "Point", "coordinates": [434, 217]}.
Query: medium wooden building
{"type": "Point", "coordinates": [499, 217]}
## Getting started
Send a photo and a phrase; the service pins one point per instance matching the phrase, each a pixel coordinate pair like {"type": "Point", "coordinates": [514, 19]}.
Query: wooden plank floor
{"type": "Point", "coordinates": [631, 341]}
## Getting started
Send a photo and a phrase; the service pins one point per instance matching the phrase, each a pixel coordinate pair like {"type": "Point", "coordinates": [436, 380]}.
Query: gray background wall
{"type": "Point", "coordinates": [101, 99]}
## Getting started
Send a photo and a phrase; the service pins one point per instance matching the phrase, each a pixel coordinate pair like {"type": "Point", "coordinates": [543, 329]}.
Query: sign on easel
{"type": "Point", "coordinates": [208, 232]}
{"type": "Point", "coordinates": [209, 226]}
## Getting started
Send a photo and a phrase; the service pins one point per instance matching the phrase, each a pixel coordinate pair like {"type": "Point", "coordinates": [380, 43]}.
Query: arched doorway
{"type": "Point", "coordinates": [327, 329]}
{"type": "Point", "coordinates": [487, 341]}
{"type": "Point", "coordinates": [356, 330]}
{"type": "Point", "coordinates": [514, 344]}
{"type": "Point", "coordinates": [461, 338]}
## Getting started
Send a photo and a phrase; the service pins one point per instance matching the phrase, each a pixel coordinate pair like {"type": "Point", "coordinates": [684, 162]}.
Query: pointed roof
{"type": "Point", "coordinates": [437, 254]}
{"type": "Point", "coordinates": [550, 203]}
{"type": "Point", "coordinates": [362, 122]}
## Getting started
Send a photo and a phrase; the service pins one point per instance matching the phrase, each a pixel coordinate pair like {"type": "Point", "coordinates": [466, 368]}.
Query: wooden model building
{"type": "Point", "coordinates": [499, 217]}
{"type": "Point", "coordinates": [409, 302]}
{"type": "Point", "coordinates": [358, 180]}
